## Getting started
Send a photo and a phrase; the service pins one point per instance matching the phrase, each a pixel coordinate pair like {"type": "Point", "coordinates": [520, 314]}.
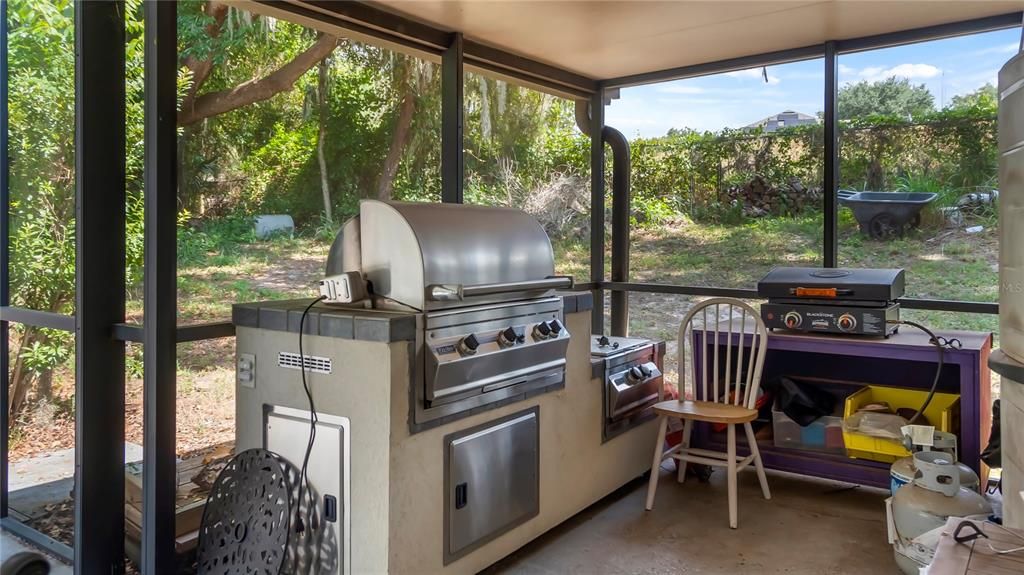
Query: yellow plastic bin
{"type": "Point", "coordinates": [943, 412]}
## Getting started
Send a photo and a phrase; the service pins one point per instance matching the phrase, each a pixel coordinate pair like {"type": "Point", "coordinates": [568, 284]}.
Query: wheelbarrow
{"type": "Point", "coordinates": [884, 215]}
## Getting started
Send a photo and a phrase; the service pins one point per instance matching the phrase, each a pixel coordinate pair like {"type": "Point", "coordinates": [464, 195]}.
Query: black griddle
{"type": "Point", "coordinates": [832, 300]}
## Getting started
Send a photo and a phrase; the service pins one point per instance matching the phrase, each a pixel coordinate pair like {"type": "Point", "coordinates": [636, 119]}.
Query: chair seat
{"type": "Point", "coordinates": [705, 411]}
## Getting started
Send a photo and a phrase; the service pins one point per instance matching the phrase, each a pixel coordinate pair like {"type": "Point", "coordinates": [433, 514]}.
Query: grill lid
{"type": "Point", "coordinates": [435, 256]}
{"type": "Point", "coordinates": [878, 285]}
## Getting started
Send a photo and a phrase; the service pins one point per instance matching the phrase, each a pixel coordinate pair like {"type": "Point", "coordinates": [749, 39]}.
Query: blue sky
{"type": "Point", "coordinates": [947, 67]}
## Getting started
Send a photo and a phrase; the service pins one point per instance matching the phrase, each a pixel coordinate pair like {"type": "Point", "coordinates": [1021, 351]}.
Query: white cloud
{"type": "Point", "coordinates": [803, 75]}
{"type": "Point", "coordinates": [971, 82]}
{"type": "Point", "coordinates": [695, 101]}
{"type": "Point", "coordinates": [718, 92]}
{"type": "Point", "coordinates": [914, 71]}
{"type": "Point", "coordinates": [681, 89]}
{"type": "Point", "coordinates": [1010, 48]}
{"type": "Point", "coordinates": [909, 71]}
{"type": "Point", "coordinates": [754, 73]}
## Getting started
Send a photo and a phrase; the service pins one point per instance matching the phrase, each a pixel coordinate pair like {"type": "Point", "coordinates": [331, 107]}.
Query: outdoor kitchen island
{"type": "Point", "coordinates": [458, 412]}
{"type": "Point", "coordinates": [397, 492]}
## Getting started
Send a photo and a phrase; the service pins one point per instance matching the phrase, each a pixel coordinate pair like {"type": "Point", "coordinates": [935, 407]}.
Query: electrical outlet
{"type": "Point", "coordinates": [343, 288]}
{"type": "Point", "coordinates": [246, 370]}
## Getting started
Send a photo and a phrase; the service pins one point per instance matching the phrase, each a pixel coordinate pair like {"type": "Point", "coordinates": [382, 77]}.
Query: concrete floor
{"type": "Point", "coordinates": [809, 527]}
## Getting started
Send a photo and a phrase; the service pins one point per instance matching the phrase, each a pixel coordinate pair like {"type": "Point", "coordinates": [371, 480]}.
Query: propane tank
{"type": "Point", "coordinates": [903, 471]}
{"type": "Point", "coordinates": [923, 506]}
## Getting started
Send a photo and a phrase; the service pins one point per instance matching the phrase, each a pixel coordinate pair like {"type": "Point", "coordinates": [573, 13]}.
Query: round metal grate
{"type": "Point", "coordinates": [246, 522]}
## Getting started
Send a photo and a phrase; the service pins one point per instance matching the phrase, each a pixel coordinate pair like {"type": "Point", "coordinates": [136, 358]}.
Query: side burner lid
{"type": "Point", "coordinates": [605, 346]}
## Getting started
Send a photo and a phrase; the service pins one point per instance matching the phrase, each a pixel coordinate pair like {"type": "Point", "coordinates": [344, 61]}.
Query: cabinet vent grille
{"type": "Point", "coordinates": [314, 364]}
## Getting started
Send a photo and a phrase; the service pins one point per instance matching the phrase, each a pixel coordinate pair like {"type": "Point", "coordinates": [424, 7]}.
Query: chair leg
{"type": "Point", "coordinates": [680, 463]}
{"type": "Point", "coordinates": [757, 460]}
{"type": "Point", "coordinates": [732, 474]}
{"type": "Point", "coordinates": [659, 450]}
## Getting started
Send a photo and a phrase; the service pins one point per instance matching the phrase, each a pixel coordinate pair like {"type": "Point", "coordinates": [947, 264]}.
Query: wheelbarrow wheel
{"type": "Point", "coordinates": [915, 221]}
{"type": "Point", "coordinates": [883, 227]}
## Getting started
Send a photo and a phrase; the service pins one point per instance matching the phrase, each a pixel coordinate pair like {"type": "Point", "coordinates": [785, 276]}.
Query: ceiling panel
{"type": "Point", "coordinates": [617, 38]}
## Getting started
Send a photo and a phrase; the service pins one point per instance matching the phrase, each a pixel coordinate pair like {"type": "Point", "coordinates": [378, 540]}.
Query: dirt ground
{"type": "Point", "coordinates": [205, 409]}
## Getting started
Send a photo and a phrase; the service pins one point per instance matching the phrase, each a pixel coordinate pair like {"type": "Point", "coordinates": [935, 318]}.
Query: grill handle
{"type": "Point", "coordinates": [449, 292]}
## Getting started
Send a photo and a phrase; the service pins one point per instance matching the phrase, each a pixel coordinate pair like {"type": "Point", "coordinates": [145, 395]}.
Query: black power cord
{"type": "Point", "coordinates": [940, 344]}
{"type": "Point", "coordinates": [313, 420]}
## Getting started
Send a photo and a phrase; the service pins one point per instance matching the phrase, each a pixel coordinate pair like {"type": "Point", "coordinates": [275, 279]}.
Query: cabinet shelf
{"type": "Point", "coordinates": [905, 360]}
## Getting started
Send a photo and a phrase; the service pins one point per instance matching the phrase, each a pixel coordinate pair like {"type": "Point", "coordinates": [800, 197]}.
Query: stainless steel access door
{"type": "Point", "coordinates": [286, 433]}
{"type": "Point", "coordinates": [492, 481]}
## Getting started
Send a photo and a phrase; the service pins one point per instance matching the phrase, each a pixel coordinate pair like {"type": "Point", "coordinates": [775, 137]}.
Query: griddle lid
{"type": "Point", "coordinates": [848, 284]}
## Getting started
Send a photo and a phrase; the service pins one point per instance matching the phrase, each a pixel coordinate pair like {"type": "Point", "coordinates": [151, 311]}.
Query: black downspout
{"type": "Point", "coordinates": [620, 227]}
{"type": "Point", "coordinates": [830, 218]}
{"type": "Point", "coordinates": [620, 216]}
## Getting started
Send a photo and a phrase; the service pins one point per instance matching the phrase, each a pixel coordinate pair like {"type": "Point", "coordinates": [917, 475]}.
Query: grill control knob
{"type": "Point", "coordinates": [541, 331]}
{"type": "Point", "coordinates": [847, 322]}
{"type": "Point", "coordinates": [555, 327]}
{"type": "Point", "coordinates": [645, 370]}
{"type": "Point", "coordinates": [469, 344]}
{"type": "Point", "coordinates": [508, 337]}
{"type": "Point", "coordinates": [793, 319]}
{"type": "Point", "coordinates": [635, 375]}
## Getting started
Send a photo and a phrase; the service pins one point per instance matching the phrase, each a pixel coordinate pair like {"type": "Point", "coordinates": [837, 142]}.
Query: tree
{"type": "Point", "coordinates": [890, 97]}
{"type": "Point", "coordinates": [205, 52]}
{"type": "Point", "coordinates": [984, 99]}
{"type": "Point", "coordinates": [41, 149]}
{"type": "Point", "coordinates": [323, 108]}
{"type": "Point", "coordinates": [408, 80]}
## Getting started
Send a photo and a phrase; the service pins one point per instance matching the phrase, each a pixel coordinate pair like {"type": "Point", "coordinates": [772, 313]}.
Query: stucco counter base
{"type": "Point", "coordinates": [397, 478]}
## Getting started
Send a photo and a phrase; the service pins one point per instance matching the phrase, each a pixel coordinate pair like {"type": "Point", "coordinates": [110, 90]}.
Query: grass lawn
{"type": "Point", "coordinates": [218, 271]}
{"type": "Point", "coordinates": [939, 264]}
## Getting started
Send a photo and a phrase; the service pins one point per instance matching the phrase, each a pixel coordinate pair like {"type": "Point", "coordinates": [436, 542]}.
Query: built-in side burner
{"type": "Point", "coordinates": [632, 381]}
{"type": "Point", "coordinates": [604, 346]}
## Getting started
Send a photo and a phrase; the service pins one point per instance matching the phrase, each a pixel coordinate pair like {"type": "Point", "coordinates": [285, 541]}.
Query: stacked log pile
{"type": "Point", "coordinates": [196, 475]}
{"type": "Point", "coordinates": [760, 198]}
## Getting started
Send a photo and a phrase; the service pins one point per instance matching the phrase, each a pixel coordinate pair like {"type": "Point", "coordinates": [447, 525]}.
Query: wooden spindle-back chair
{"type": "Point", "coordinates": [727, 357]}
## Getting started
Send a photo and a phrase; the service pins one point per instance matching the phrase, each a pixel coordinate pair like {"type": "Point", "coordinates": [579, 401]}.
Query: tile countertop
{"type": "Point", "coordinates": [354, 323]}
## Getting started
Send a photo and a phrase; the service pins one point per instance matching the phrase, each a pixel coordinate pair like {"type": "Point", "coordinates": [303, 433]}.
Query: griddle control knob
{"type": "Point", "coordinates": [793, 319]}
{"type": "Point", "coordinates": [469, 344]}
{"type": "Point", "coordinates": [508, 337]}
{"type": "Point", "coordinates": [635, 375]}
{"type": "Point", "coordinates": [847, 322]}
{"type": "Point", "coordinates": [542, 330]}
{"type": "Point", "coordinates": [555, 326]}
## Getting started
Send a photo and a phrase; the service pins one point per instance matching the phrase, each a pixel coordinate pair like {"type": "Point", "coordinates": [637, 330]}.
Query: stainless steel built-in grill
{"type": "Point", "coordinates": [632, 381]}
{"type": "Point", "coordinates": [483, 277]}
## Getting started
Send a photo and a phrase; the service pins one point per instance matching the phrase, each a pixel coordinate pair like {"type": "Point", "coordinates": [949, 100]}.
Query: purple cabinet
{"type": "Point", "coordinates": [906, 360]}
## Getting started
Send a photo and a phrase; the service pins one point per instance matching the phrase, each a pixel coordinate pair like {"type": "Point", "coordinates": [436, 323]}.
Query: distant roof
{"type": "Point", "coordinates": [800, 117]}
